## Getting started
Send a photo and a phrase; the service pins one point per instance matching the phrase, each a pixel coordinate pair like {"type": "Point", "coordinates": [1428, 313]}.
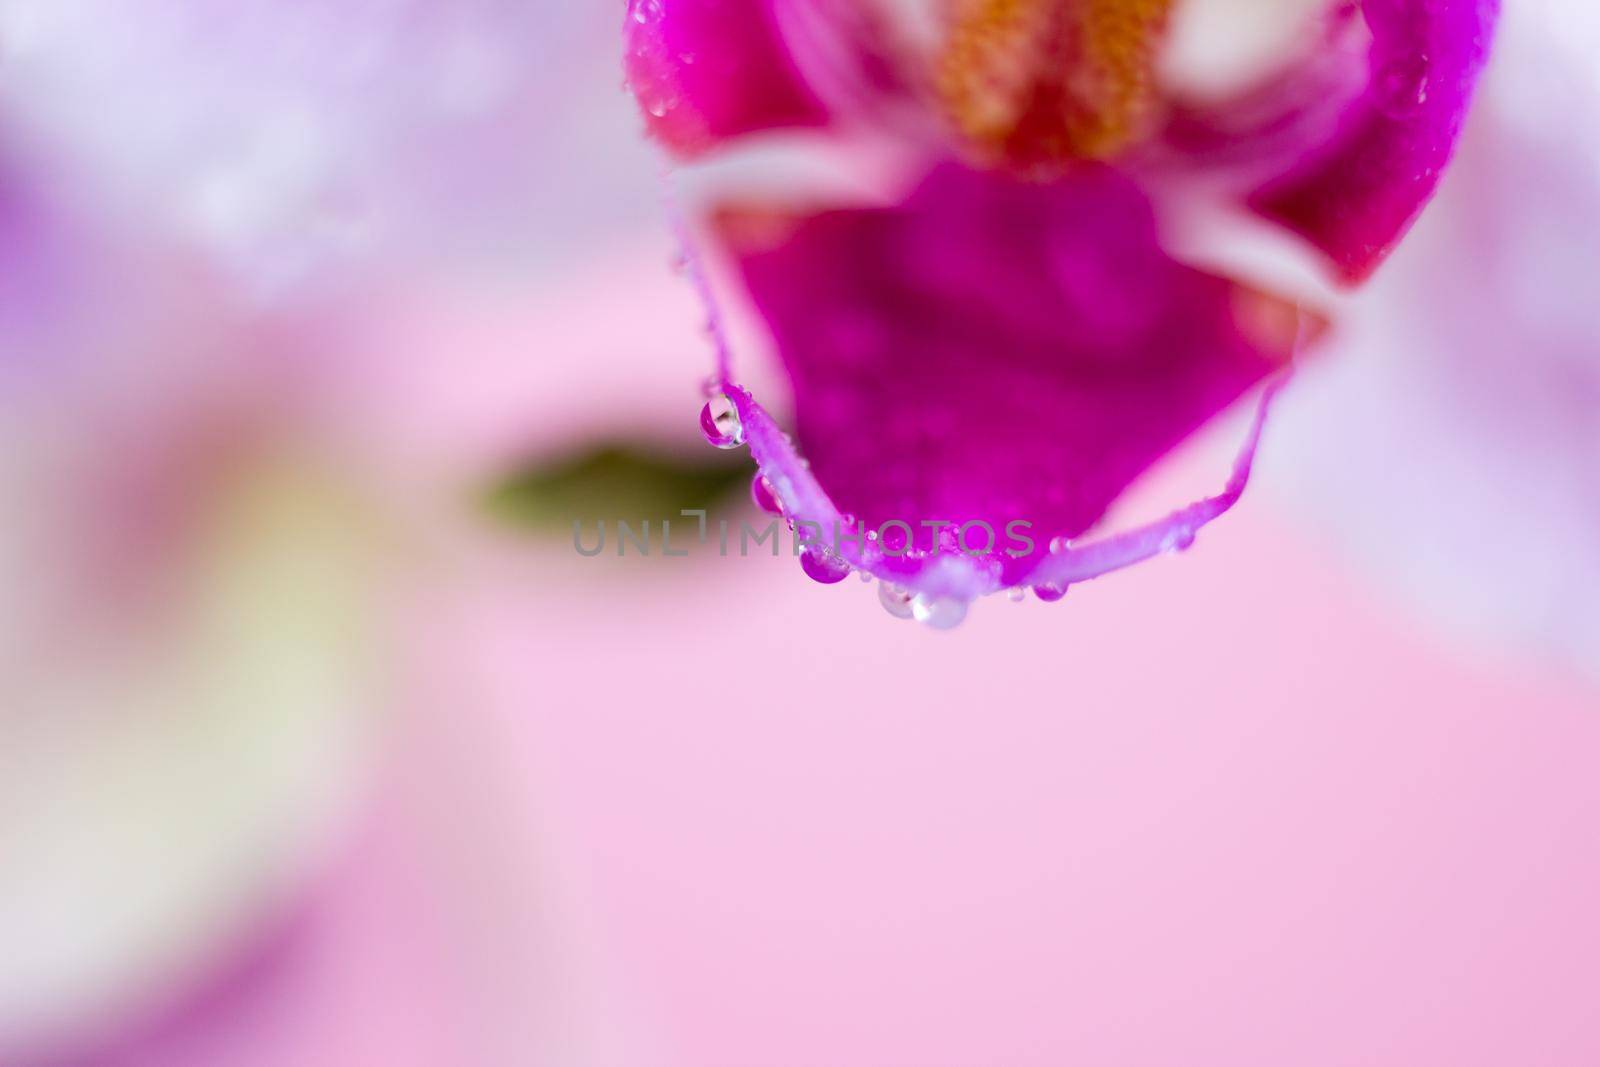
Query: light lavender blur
{"type": "Point", "coordinates": [305, 758]}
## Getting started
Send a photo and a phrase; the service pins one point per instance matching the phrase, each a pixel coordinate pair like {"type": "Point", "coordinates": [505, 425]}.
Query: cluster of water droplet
{"type": "Point", "coordinates": [651, 82]}
{"type": "Point", "coordinates": [722, 427]}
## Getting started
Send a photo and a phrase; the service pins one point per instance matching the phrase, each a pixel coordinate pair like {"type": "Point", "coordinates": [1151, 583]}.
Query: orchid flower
{"type": "Point", "coordinates": [1008, 339]}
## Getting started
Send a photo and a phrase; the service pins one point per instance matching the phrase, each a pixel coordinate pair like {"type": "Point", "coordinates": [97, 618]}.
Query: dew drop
{"type": "Point", "coordinates": [938, 612]}
{"type": "Point", "coordinates": [719, 421]}
{"type": "Point", "coordinates": [1016, 594]}
{"type": "Point", "coordinates": [823, 565]}
{"type": "Point", "coordinates": [895, 601]}
{"type": "Point", "coordinates": [1049, 592]}
{"type": "Point", "coordinates": [1402, 87]}
{"type": "Point", "coordinates": [761, 492]}
{"type": "Point", "coordinates": [1058, 545]}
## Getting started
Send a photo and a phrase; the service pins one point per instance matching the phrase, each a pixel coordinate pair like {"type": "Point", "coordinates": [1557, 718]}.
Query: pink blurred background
{"type": "Point", "coordinates": [307, 756]}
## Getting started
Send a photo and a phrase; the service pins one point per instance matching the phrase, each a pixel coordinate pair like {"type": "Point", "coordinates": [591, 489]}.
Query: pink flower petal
{"type": "Point", "coordinates": [992, 351]}
{"type": "Point", "coordinates": [704, 71]}
{"type": "Point", "coordinates": [1358, 194]}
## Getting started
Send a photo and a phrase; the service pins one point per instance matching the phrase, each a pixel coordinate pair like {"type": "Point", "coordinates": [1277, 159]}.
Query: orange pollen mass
{"type": "Point", "coordinates": [1040, 82]}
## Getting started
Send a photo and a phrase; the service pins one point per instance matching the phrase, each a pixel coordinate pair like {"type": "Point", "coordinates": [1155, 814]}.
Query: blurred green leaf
{"type": "Point", "coordinates": [614, 482]}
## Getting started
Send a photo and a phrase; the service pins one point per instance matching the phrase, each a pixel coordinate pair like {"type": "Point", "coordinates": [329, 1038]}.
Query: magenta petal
{"type": "Point", "coordinates": [998, 351]}
{"type": "Point", "coordinates": [704, 71]}
{"type": "Point", "coordinates": [1080, 563]}
{"type": "Point", "coordinates": [1357, 195]}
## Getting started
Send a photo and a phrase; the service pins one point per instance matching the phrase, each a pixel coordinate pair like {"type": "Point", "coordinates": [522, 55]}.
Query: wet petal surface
{"type": "Point", "coordinates": [999, 351]}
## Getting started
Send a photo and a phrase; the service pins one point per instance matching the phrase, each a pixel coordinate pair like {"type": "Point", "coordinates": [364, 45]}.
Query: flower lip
{"type": "Point", "coordinates": [962, 577]}
{"type": "Point", "coordinates": [991, 352]}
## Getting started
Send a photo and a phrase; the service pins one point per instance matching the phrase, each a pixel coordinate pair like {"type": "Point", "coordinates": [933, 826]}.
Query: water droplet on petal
{"type": "Point", "coordinates": [1049, 592]}
{"type": "Point", "coordinates": [1016, 594]}
{"type": "Point", "coordinates": [719, 421]}
{"type": "Point", "coordinates": [1179, 541]}
{"type": "Point", "coordinates": [761, 492]}
{"type": "Point", "coordinates": [895, 601]}
{"type": "Point", "coordinates": [823, 565]}
{"type": "Point", "coordinates": [1059, 545]}
{"type": "Point", "coordinates": [1402, 87]}
{"type": "Point", "coordinates": [938, 612]}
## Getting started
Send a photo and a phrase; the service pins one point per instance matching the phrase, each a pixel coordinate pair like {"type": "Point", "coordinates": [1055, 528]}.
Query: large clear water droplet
{"type": "Point", "coordinates": [719, 421]}
{"type": "Point", "coordinates": [823, 565]}
{"type": "Point", "coordinates": [938, 612]}
{"type": "Point", "coordinates": [895, 601]}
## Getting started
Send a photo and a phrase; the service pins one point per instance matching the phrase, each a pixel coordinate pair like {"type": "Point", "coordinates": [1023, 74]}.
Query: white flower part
{"type": "Point", "coordinates": [1451, 441]}
{"type": "Point", "coordinates": [280, 136]}
{"type": "Point", "coordinates": [1217, 48]}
